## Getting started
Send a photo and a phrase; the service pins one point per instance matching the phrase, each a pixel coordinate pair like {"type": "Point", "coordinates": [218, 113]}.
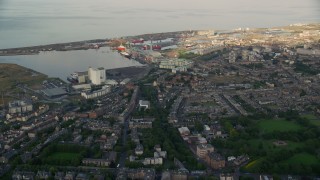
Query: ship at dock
{"type": "Point", "coordinates": [123, 51]}
{"type": "Point", "coordinates": [73, 78]}
{"type": "Point", "coordinates": [126, 54]}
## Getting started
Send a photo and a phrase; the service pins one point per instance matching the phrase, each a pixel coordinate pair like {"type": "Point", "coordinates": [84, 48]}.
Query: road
{"type": "Point", "coordinates": [123, 155]}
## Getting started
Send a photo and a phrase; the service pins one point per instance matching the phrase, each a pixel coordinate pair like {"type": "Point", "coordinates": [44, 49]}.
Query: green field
{"type": "Point", "coordinates": [303, 158]}
{"type": "Point", "coordinates": [258, 139]}
{"type": "Point", "coordinates": [315, 122]}
{"type": "Point", "coordinates": [313, 119]}
{"type": "Point", "coordinates": [209, 104]}
{"type": "Point", "coordinates": [64, 156]}
{"type": "Point", "coordinates": [310, 117]}
{"type": "Point", "coordinates": [13, 74]}
{"type": "Point", "coordinates": [21, 75]}
{"type": "Point", "coordinates": [268, 126]}
{"type": "Point", "coordinates": [269, 146]}
{"type": "Point", "coordinates": [297, 159]}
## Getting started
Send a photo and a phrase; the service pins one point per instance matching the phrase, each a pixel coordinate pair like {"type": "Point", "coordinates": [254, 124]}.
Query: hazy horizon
{"type": "Point", "coordinates": [35, 22]}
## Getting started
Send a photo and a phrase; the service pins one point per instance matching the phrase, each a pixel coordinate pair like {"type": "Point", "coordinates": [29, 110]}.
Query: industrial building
{"type": "Point", "coordinates": [90, 95]}
{"type": "Point", "coordinates": [82, 77]}
{"type": "Point", "coordinates": [54, 92]}
{"type": "Point", "coordinates": [97, 76]}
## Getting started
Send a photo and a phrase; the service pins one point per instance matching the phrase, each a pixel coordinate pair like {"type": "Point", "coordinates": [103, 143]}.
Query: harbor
{"type": "Point", "coordinates": [67, 62]}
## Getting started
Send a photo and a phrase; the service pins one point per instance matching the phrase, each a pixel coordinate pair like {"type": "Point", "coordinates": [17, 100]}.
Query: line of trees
{"type": "Point", "coordinates": [166, 135]}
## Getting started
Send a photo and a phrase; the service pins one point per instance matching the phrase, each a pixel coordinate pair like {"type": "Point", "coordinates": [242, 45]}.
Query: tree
{"type": "Point", "coordinates": [303, 93]}
{"type": "Point", "coordinates": [198, 126]}
{"type": "Point", "coordinates": [53, 170]}
{"type": "Point", "coordinates": [233, 133]}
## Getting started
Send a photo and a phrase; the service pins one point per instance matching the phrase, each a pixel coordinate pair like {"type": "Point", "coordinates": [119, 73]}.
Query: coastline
{"type": "Point", "coordinates": [82, 45]}
{"type": "Point", "coordinates": [112, 42]}
{"type": "Point", "coordinates": [68, 46]}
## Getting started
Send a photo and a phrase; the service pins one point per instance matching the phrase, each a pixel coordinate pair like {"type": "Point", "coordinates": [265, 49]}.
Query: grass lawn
{"type": "Point", "coordinates": [294, 145]}
{"type": "Point", "coordinates": [268, 126]}
{"type": "Point", "coordinates": [63, 159]}
{"type": "Point", "coordinates": [303, 158]}
{"type": "Point", "coordinates": [315, 122]}
{"type": "Point", "coordinates": [310, 117]}
{"type": "Point", "coordinates": [64, 156]}
{"type": "Point", "coordinates": [313, 119]}
{"type": "Point", "coordinates": [269, 146]}
{"type": "Point", "coordinates": [21, 75]}
{"type": "Point", "coordinates": [209, 104]}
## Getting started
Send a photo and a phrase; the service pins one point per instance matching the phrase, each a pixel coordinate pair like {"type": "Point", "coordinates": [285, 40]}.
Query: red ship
{"type": "Point", "coordinates": [138, 41]}
{"type": "Point", "coordinates": [121, 48]}
{"type": "Point", "coordinates": [154, 47]}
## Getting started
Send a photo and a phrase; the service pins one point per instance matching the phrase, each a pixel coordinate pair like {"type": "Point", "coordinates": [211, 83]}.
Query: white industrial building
{"type": "Point", "coordinates": [97, 76]}
{"type": "Point", "coordinates": [111, 82]}
{"type": "Point", "coordinates": [82, 77]}
{"type": "Point", "coordinates": [82, 86]}
{"type": "Point", "coordinates": [125, 81]}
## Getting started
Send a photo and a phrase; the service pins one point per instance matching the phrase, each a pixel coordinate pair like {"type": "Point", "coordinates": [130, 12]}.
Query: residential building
{"type": "Point", "coordinates": [144, 104]}
{"type": "Point", "coordinates": [176, 64]}
{"type": "Point", "coordinates": [174, 175]}
{"type": "Point", "coordinates": [96, 162]}
{"type": "Point", "coordinates": [20, 107]}
{"type": "Point", "coordinates": [19, 175]}
{"type": "Point", "coordinates": [232, 57]}
{"type": "Point", "coordinates": [70, 176]}
{"type": "Point", "coordinates": [59, 176]}
{"type": "Point", "coordinates": [227, 177]}
{"type": "Point", "coordinates": [184, 131]}
{"type": "Point", "coordinates": [215, 160]}
{"type": "Point", "coordinates": [43, 175]}
{"type": "Point", "coordinates": [153, 161]}
{"type": "Point", "coordinates": [7, 156]}
{"type": "Point", "coordinates": [141, 123]}
{"type": "Point", "coordinates": [204, 149]}
{"type": "Point", "coordinates": [147, 174]}
{"type": "Point", "coordinates": [159, 152]}
{"type": "Point", "coordinates": [139, 149]}
{"type": "Point", "coordinates": [82, 176]}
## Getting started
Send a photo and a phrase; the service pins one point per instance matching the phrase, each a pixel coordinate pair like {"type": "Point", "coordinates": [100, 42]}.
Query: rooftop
{"type": "Point", "coordinates": [216, 156]}
{"type": "Point", "coordinates": [204, 146]}
{"type": "Point", "coordinates": [54, 92]}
